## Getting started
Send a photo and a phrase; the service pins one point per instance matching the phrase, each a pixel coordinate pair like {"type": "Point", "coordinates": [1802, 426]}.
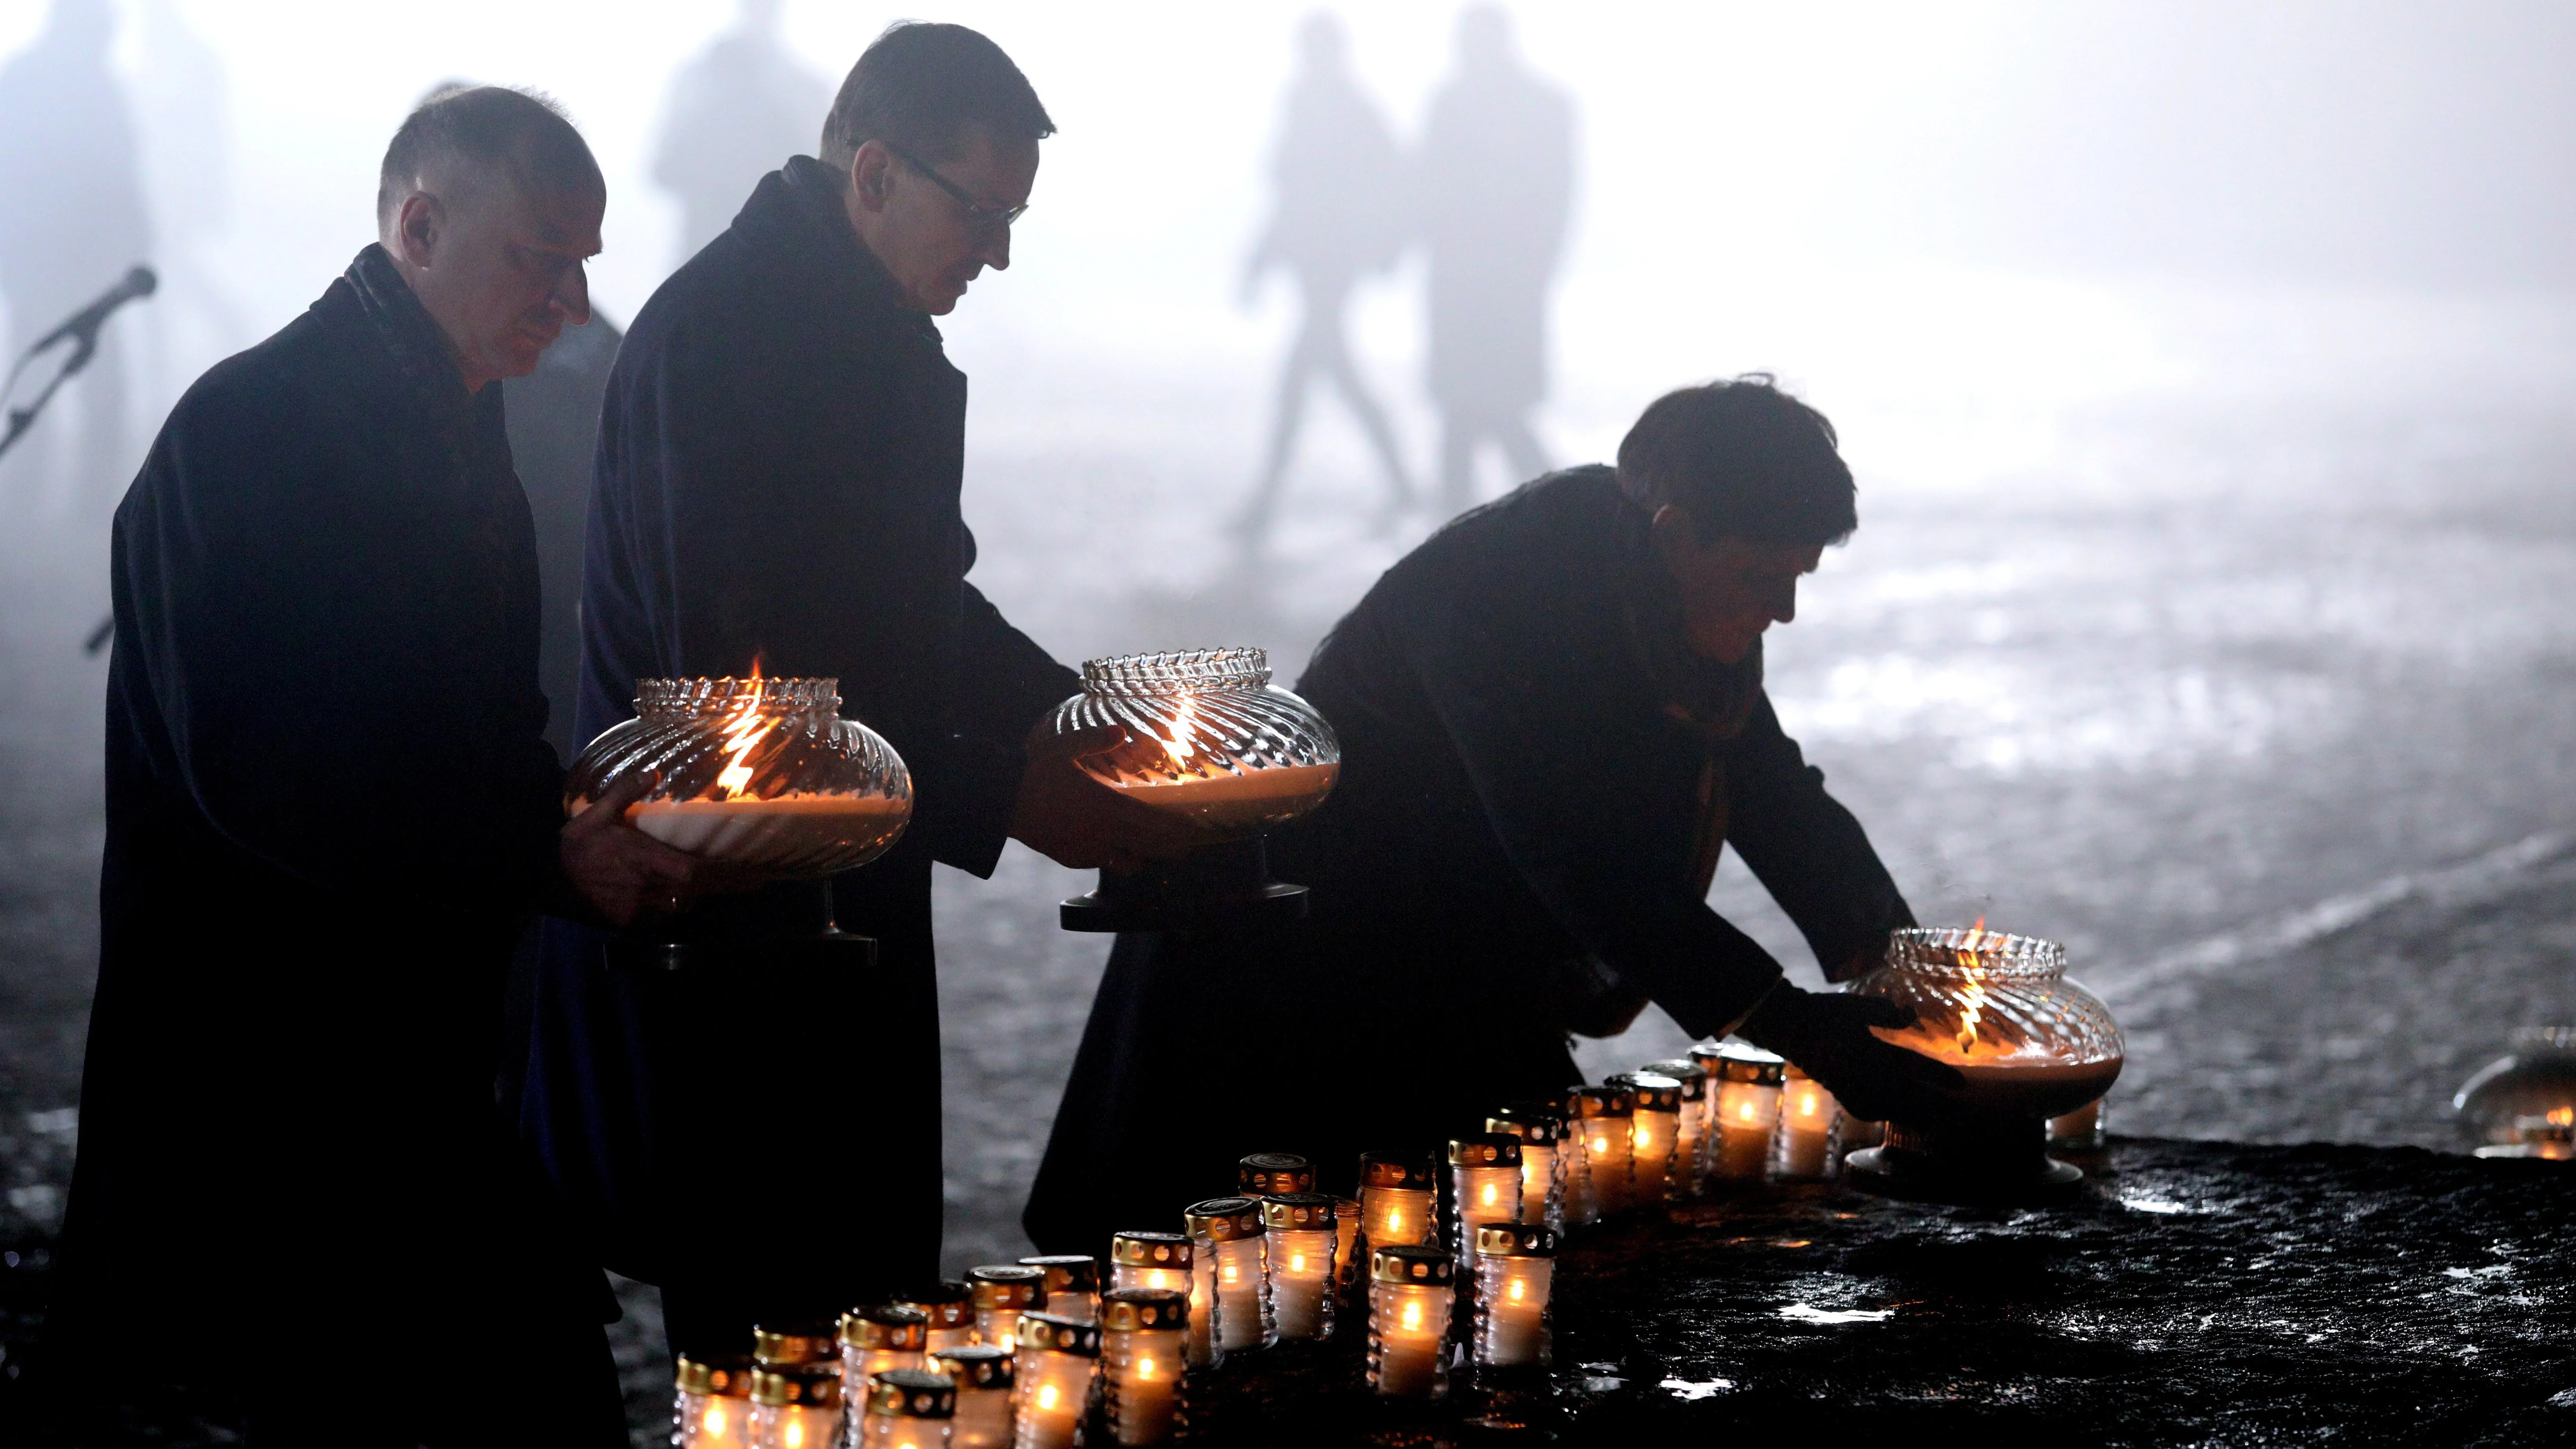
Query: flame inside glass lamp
{"type": "Point", "coordinates": [2030, 1043]}
{"type": "Point", "coordinates": [1213, 742]}
{"type": "Point", "coordinates": [2524, 1104]}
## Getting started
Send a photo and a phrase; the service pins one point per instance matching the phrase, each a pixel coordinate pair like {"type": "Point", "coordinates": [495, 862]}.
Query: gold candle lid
{"type": "Point", "coordinates": [1485, 1149]}
{"type": "Point", "coordinates": [1132, 1310]}
{"type": "Point", "coordinates": [1150, 1250]}
{"type": "Point", "coordinates": [975, 1365]}
{"type": "Point", "coordinates": [1067, 1272]}
{"type": "Point", "coordinates": [723, 1375]}
{"type": "Point", "coordinates": [791, 1343]}
{"type": "Point", "coordinates": [949, 1304]}
{"type": "Point", "coordinates": [1411, 1170]}
{"type": "Point", "coordinates": [1268, 1174]}
{"type": "Point", "coordinates": [1602, 1101]}
{"type": "Point", "coordinates": [1048, 1333]}
{"type": "Point", "coordinates": [886, 1326]}
{"type": "Point", "coordinates": [1297, 1211]}
{"type": "Point", "coordinates": [814, 1385]}
{"type": "Point", "coordinates": [1007, 1285]}
{"type": "Point", "coordinates": [1535, 1123]}
{"type": "Point", "coordinates": [1692, 1076]}
{"type": "Point", "coordinates": [1516, 1240]}
{"type": "Point", "coordinates": [912, 1394]}
{"type": "Point", "coordinates": [1654, 1093]}
{"type": "Point", "coordinates": [1431, 1267]}
{"type": "Point", "coordinates": [1736, 1062]}
{"type": "Point", "coordinates": [1223, 1219]}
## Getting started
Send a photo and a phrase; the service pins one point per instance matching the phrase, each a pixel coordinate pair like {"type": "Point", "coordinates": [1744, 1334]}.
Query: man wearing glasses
{"type": "Point", "coordinates": [779, 465]}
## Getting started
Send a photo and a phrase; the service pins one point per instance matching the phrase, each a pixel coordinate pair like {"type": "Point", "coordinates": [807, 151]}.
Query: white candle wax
{"type": "Point", "coordinates": [1651, 1140]}
{"type": "Point", "coordinates": [1301, 1269]}
{"type": "Point", "coordinates": [1204, 1308]}
{"type": "Point", "coordinates": [1227, 801]}
{"type": "Point", "coordinates": [1609, 1155]}
{"type": "Point", "coordinates": [784, 828]}
{"type": "Point", "coordinates": [1054, 1392]}
{"type": "Point", "coordinates": [1807, 1113]}
{"type": "Point", "coordinates": [983, 1419]}
{"type": "Point", "coordinates": [1241, 1321]}
{"type": "Point", "coordinates": [1538, 1174]}
{"type": "Point", "coordinates": [713, 1421]}
{"type": "Point", "coordinates": [1746, 1114]}
{"type": "Point", "coordinates": [1483, 1195]}
{"type": "Point", "coordinates": [1397, 1216]}
{"type": "Point", "coordinates": [1409, 1329]}
{"type": "Point", "coordinates": [794, 1426]}
{"type": "Point", "coordinates": [1144, 1369]}
{"type": "Point", "coordinates": [1512, 1302]}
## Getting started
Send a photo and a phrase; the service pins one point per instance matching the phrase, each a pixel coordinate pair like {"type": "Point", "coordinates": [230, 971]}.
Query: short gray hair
{"type": "Point", "coordinates": [522, 132]}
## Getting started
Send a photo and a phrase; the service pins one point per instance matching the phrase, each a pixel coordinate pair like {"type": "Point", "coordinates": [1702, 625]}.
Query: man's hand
{"type": "Point", "coordinates": [1828, 1036]}
{"type": "Point", "coordinates": [619, 869]}
{"type": "Point", "coordinates": [1074, 820]}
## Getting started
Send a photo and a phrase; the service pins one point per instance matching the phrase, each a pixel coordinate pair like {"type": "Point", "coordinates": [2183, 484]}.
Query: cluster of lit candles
{"type": "Point", "coordinates": [1440, 1263]}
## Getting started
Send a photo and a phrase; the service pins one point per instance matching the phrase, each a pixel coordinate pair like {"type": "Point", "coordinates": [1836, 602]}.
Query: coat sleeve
{"type": "Point", "coordinates": [1006, 684]}
{"type": "Point", "coordinates": [1807, 850]}
{"type": "Point", "coordinates": [1532, 740]}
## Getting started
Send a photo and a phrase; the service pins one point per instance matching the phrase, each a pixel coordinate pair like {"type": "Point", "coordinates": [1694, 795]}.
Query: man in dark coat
{"type": "Point", "coordinates": [1552, 718]}
{"type": "Point", "coordinates": [330, 809]}
{"type": "Point", "coordinates": [780, 461]}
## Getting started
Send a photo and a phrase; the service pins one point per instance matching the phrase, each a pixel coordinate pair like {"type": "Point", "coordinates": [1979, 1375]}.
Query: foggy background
{"type": "Point", "coordinates": [2205, 368]}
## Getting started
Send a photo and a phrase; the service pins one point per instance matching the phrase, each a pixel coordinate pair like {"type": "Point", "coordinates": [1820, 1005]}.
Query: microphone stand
{"type": "Point", "coordinates": [81, 329]}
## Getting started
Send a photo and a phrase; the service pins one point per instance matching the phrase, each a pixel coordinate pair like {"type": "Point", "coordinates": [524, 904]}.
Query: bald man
{"type": "Point", "coordinates": [330, 809]}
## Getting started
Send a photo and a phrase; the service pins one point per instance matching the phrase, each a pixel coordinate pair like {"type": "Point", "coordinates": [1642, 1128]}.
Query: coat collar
{"type": "Point", "coordinates": [390, 313]}
{"type": "Point", "coordinates": [798, 209]}
{"type": "Point", "coordinates": [1717, 698]}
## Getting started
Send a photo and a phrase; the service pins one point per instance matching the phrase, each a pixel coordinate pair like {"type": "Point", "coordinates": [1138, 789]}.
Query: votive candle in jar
{"type": "Point", "coordinates": [1541, 1130]}
{"type": "Point", "coordinates": [1350, 1264]}
{"type": "Point", "coordinates": [875, 1339]}
{"type": "Point", "coordinates": [1072, 1284]}
{"type": "Point", "coordinates": [1410, 1293]}
{"type": "Point", "coordinates": [1515, 1268]}
{"type": "Point", "coordinates": [1273, 1174]}
{"type": "Point", "coordinates": [982, 1374]}
{"type": "Point", "coordinates": [786, 1344]}
{"type": "Point", "coordinates": [1707, 1056]}
{"type": "Point", "coordinates": [1748, 1105]}
{"type": "Point", "coordinates": [1162, 1260]}
{"type": "Point", "coordinates": [796, 1406]}
{"type": "Point", "coordinates": [1607, 1118]}
{"type": "Point", "coordinates": [1654, 1135]}
{"type": "Point", "coordinates": [1143, 1338]}
{"type": "Point", "coordinates": [1227, 1232]}
{"type": "Point", "coordinates": [1484, 1187]}
{"type": "Point", "coordinates": [2083, 1130]}
{"type": "Point", "coordinates": [714, 1404]}
{"type": "Point", "coordinates": [1299, 1230]}
{"type": "Point", "coordinates": [1056, 1362]}
{"type": "Point", "coordinates": [1004, 1291]}
{"type": "Point", "coordinates": [910, 1408]}
{"type": "Point", "coordinates": [1808, 1114]}
{"type": "Point", "coordinates": [950, 1307]}
{"type": "Point", "coordinates": [1399, 1194]}
{"type": "Point", "coordinates": [1690, 1147]}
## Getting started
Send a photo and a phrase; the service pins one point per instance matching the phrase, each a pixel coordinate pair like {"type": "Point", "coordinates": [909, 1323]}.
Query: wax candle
{"type": "Point", "coordinates": [1273, 1174]}
{"type": "Point", "coordinates": [785, 828]}
{"type": "Point", "coordinates": [1515, 1267]}
{"type": "Point", "coordinates": [1235, 802]}
{"type": "Point", "coordinates": [1004, 1291]}
{"type": "Point", "coordinates": [950, 1307]}
{"type": "Point", "coordinates": [1398, 1191]}
{"type": "Point", "coordinates": [1163, 1260]}
{"type": "Point", "coordinates": [2082, 1130]}
{"type": "Point", "coordinates": [1654, 1135]}
{"type": "Point", "coordinates": [982, 1374]}
{"type": "Point", "coordinates": [1410, 1292]}
{"type": "Point", "coordinates": [1807, 1118]}
{"type": "Point", "coordinates": [1708, 1056]}
{"type": "Point", "coordinates": [1298, 1233]}
{"type": "Point", "coordinates": [1748, 1107]}
{"type": "Point", "coordinates": [1142, 1349]}
{"type": "Point", "coordinates": [877, 1338]}
{"type": "Point", "coordinates": [1484, 1187]}
{"type": "Point", "coordinates": [790, 1342]}
{"type": "Point", "coordinates": [1072, 1284]}
{"type": "Point", "coordinates": [1057, 1360]}
{"type": "Point", "coordinates": [908, 1409]}
{"type": "Point", "coordinates": [1227, 1232]}
{"type": "Point", "coordinates": [1607, 1118]}
{"type": "Point", "coordinates": [796, 1406]}
{"type": "Point", "coordinates": [1541, 1130]}
{"type": "Point", "coordinates": [714, 1406]}
{"type": "Point", "coordinates": [1691, 1139]}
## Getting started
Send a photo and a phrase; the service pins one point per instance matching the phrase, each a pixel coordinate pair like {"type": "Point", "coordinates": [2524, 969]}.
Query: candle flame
{"type": "Point", "coordinates": [1412, 1314]}
{"type": "Point", "coordinates": [1145, 1368]}
{"type": "Point", "coordinates": [1748, 1111]}
{"type": "Point", "coordinates": [746, 730]}
{"type": "Point", "coordinates": [2562, 1116]}
{"type": "Point", "coordinates": [1516, 1290]}
{"type": "Point", "coordinates": [1183, 743]}
{"type": "Point", "coordinates": [794, 1438]}
{"type": "Point", "coordinates": [715, 1419]}
{"type": "Point", "coordinates": [1491, 1195]}
{"type": "Point", "coordinates": [1046, 1396]}
{"type": "Point", "coordinates": [1973, 1005]}
{"type": "Point", "coordinates": [1296, 1262]}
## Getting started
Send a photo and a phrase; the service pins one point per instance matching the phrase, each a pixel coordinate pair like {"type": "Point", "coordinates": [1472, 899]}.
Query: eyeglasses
{"type": "Point", "coordinates": [982, 218]}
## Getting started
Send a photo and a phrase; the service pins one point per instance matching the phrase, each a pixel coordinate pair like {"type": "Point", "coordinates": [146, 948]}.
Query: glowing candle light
{"type": "Point", "coordinates": [1143, 1334]}
{"type": "Point", "coordinates": [1299, 1230]}
{"type": "Point", "coordinates": [796, 1406]}
{"type": "Point", "coordinates": [908, 1409]}
{"type": "Point", "coordinates": [1273, 1174]}
{"type": "Point", "coordinates": [1004, 1291]}
{"type": "Point", "coordinates": [1748, 1107]}
{"type": "Point", "coordinates": [714, 1405]}
{"type": "Point", "coordinates": [1692, 1137]}
{"type": "Point", "coordinates": [1227, 1232]}
{"type": "Point", "coordinates": [1606, 1118]}
{"type": "Point", "coordinates": [1163, 1260]}
{"type": "Point", "coordinates": [1484, 1187]}
{"type": "Point", "coordinates": [1515, 1267]}
{"type": "Point", "coordinates": [1808, 1116]}
{"type": "Point", "coordinates": [1654, 1135]}
{"type": "Point", "coordinates": [1072, 1284]}
{"type": "Point", "coordinates": [875, 1339]}
{"type": "Point", "coordinates": [982, 1374]}
{"type": "Point", "coordinates": [950, 1308]}
{"type": "Point", "coordinates": [1410, 1292]}
{"type": "Point", "coordinates": [1398, 1191]}
{"type": "Point", "coordinates": [1057, 1359]}
{"type": "Point", "coordinates": [2082, 1130]}
{"type": "Point", "coordinates": [1541, 1130]}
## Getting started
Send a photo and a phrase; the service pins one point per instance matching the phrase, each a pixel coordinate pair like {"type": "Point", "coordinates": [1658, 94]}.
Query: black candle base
{"type": "Point", "coordinates": [1970, 1160]}
{"type": "Point", "coordinates": [1220, 887]}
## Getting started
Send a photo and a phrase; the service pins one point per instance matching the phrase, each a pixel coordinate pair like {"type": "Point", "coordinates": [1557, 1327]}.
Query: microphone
{"type": "Point", "coordinates": [81, 330]}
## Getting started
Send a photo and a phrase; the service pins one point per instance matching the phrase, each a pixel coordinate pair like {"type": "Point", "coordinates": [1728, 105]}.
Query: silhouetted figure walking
{"type": "Point", "coordinates": [1339, 180]}
{"type": "Point", "coordinates": [734, 113]}
{"type": "Point", "coordinates": [1497, 179]}
{"type": "Point", "coordinates": [71, 219]}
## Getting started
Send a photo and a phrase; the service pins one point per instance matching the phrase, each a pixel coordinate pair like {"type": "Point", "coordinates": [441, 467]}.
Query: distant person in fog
{"type": "Point", "coordinates": [71, 219]}
{"type": "Point", "coordinates": [1495, 190]}
{"type": "Point", "coordinates": [1339, 181]}
{"type": "Point", "coordinates": [737, 111]}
